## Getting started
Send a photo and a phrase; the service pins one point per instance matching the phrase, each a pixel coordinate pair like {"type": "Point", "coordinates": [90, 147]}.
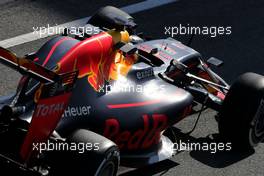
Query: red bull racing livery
{"type": "Point", "coordinates": [118, 96]}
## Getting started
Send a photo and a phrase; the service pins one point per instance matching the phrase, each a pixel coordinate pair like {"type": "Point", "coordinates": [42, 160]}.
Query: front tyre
{"type": "Point", "coordinates": [241, 119]}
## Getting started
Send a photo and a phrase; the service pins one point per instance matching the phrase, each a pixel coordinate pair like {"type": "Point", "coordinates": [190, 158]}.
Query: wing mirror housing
{"type": "Point", "coordinates": [215, 62]}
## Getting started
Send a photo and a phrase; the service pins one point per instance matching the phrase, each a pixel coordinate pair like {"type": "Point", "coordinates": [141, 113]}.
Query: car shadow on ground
{"type": "Point", "coordinates": [219, 159]}
{"type": "Point", "coordinates": [215, 159]}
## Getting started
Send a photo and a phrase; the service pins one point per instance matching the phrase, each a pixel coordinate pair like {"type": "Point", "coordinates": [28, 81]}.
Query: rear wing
{"type": "Point", "coordinates": [52, 98]}
{"type": "Point", "coordinates": [26, 66]}
{"type": "Point", "coordinates": [51, 103]}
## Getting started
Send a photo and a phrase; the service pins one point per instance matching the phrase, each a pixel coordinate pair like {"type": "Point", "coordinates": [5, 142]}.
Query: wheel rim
{"type": "Point", "coordinates": [256, 133]}
{"type": "Point", "coordinates": [259, 123]}
{"type": "Point", "coordinates": [259, 127]}
{"type": "Point", "coordinates": [108, 170]}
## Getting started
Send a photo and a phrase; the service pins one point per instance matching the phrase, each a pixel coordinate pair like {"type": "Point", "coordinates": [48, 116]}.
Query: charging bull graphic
{"type": "Point", "coordinates": [92, 57]}
{"type": "Point", "coordinates": [97, 59]}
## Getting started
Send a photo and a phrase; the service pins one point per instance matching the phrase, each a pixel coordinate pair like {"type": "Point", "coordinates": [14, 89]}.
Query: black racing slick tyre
{"type": "Point", "coordinates": [241, 119]}
{"type": "Point", "coordinates": [104, 161]}
{"type": "Point", "coordinates": [108, 167]}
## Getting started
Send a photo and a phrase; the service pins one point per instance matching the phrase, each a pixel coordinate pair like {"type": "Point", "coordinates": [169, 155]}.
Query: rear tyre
{"type": "Point", "coordinates": [104, 161]}
{"type": "Point", "coordinates": [108, 168]}
{"type": "Point", "coordinates": [241, 120]}
{"type": "Point", "coordinates": [101, 162]}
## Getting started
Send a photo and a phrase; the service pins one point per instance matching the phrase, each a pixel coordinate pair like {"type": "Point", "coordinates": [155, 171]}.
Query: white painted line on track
{"type": "Point", "coordinates": [32, 36]}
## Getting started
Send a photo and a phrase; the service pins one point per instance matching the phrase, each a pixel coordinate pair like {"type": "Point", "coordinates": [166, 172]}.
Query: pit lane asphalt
{"type": "Point", "coordinates": [242, 51]}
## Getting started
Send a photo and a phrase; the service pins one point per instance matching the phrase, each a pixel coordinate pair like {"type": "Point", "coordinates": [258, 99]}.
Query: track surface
{"type": "Point", "coordinates": [242, 51]}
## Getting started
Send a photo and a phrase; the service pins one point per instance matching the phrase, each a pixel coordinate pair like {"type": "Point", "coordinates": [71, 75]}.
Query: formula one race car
{"type": "Point", "coordinates": [88, 100]}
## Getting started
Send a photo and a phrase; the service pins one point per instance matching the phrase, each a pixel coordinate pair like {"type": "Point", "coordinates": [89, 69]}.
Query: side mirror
{"type": "Point", "coordinates": [215, 62]}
